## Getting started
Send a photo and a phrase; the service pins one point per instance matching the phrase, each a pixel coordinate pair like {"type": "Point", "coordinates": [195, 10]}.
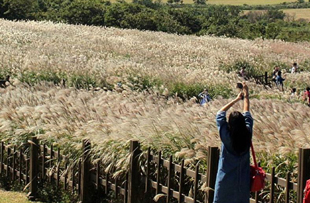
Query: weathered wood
{"type": "Point", "coordinates": [20, 166]}
{"type": "Point", "coordinates": [213, 159]}
{"type": "Point", "coordinates": [177, 168]}
{"type": "Point", "coordinates": [72, 177]}
{"type": "Point", "coordinates": [196, 183]}
{"type": "Point", "coordinates": [66, 175]}
{"type": "Point", "coordinates": [158, 173]}
{"type": "Point", "coordinates": [282, 182]}
{"type": "Point", "coordinates": [106, 189]}
{"type": "Point", "coordinates": [272, 184]}
{"type": "Point", "coordinates": [175, 194]}
{"type": "Point", "coordinates": [2, 157]}
{"type": "Point", "coordinates": [304, 172]}
{"type": "Point", "coordinates": [256, 197]}
{"type": "Point", "coordinates": [133, 176]}
{"type": "Point", "coordinates": [181, 182]}
{"type": "Point", "coordinates": [126, 189]}
{"type": "Point", "coordinates": [98, 176]}
{"type": "Point", "coordinates": [27, 170]}
{"type": "Point", "coordinates": [85, 190]}
{"type": "Point", "coordinates": [79, 176]}
{"type": "Point", "coordinates": [13, 163]}
{"type": "Point", "coordinates": [50, 178]}
{"type": "Point", "coordinates": [169, 185]}
{"type": "Point", "coordinates": [34, 162]}
{"type": "Point", "coordinates": [8, 162]}
{"type": "Point", "coordinates": [116, 187]}
{"type": "Point", "coordinates": [287, 188]}
{"type": "Point", "coordinates": [58, 168]}
{"type": "Point", "coordinates": [43, 164]}
{"type": "Point", "coordinates": [148, 163]}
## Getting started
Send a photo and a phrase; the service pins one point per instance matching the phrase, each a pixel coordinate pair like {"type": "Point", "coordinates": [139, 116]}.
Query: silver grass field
{"type": "Point", "coordinates": [65, 115]}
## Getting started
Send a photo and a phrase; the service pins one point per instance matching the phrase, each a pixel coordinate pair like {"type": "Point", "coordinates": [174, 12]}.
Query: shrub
{"type": "Point", "coordinates": [83, 12]}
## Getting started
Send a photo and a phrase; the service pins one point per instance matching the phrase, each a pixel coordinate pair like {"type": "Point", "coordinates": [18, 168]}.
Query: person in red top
{"type": "Point", "coordinates": [307, 95]}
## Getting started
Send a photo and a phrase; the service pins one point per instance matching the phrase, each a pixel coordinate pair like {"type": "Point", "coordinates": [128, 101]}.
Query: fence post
{"type": "Point", "coordinates": [1, 160]}
{"type": "Point", "coordinates": [303, 172]}
{"type": "Point", "coordinates": [213, 159]}
{"type": "Point", "coordinates": [34, 146]}
{"type": "Point", "coordinates": [85, 173]}
{"type": "Point", "coordinates": [133, 175]}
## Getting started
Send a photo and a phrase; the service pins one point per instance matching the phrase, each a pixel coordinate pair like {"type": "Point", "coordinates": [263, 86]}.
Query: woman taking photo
{"type": "Point", "coordinates": [233, 176]}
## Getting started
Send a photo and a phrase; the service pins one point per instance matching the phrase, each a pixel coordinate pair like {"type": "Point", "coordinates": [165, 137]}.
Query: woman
{"type": "Point", "coordinates": [233, 176]}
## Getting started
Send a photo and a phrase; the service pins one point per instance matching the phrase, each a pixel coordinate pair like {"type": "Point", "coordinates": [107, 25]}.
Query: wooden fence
{"type": "Point", "coordinates": [263, 79]}
{"type": "Point", "coordinates": [34, 164]}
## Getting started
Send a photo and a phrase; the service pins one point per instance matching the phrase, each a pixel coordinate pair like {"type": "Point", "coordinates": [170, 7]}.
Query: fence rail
{"type": "Point", "coordinates": [35, 164]}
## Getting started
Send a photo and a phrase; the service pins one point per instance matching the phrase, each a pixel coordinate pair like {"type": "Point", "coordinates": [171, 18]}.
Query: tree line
{"type": "Point", "coordinates": [218, 20]}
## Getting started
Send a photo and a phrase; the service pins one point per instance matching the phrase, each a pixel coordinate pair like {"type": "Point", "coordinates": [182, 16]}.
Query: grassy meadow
{"type": "Point", "coordinates": [13, 197]}
{"type": "Point", "coordinates": [298, 13]}
{"type": "Point", "coordinates": [111, 116]}
{"type": "Point", "coordinates": [241, 2]}
{"type": "Point", "coordinates": [235, 2]}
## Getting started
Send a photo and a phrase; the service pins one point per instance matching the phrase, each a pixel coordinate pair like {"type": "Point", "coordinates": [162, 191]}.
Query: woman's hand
{"type": "Point", "coordinates": [239, 96]}
{"type": "Point", "coordinates": [245, 90]}
{"type": "Point", "coordinates": [246, 103]}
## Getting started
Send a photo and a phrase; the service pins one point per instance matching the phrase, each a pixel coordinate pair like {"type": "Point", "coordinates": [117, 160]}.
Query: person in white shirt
{"type": "Point", "coordinates": [294, 68]}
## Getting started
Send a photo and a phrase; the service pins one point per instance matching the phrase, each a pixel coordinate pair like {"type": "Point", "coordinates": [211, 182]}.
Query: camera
{"type": "Point", "coordinates": [239, 85]}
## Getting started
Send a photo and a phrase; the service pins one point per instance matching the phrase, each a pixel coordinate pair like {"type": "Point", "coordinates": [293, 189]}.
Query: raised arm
{"type": "Point", "coordinates": [246, 101]}
{"type": "Point", "coordinates": [231, 103]}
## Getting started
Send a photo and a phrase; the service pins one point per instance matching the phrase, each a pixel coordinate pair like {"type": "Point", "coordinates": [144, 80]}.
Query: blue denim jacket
{"type": "Point", "coordinates": [233, 175]}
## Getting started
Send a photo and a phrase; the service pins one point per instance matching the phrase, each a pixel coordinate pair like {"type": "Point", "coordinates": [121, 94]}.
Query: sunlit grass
{"type": "Point", "coordinates": [241, 2]}
{"type": "Point", "coordinates": [13, 197]}
{"type": "Point", "coordinates": [303, 13]}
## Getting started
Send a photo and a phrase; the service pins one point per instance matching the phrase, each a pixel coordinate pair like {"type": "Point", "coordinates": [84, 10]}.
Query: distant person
{"type": "Point", "coordinates": [293, 93]}
{"type": "Point", "coordinates": [275, 73]}
{"type": "Point", "coordinates": [233, 176]}
{"type": "Point", "coordinates": [204, 97]}
{"type": "Point", "coordinates": [279, 80]}
{"type": "Point", "coordinates": [294, 69]}
{"type": "Point", "coordinates": [306, 96]}
{"type": "Point", "coordinates": [243, 73]}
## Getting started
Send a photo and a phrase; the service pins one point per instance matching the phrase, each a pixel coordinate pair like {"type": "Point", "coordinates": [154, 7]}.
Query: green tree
{"type": "Point", "coordinates": [200, 1]}
{"type": "Point", "coordinates": [273, 30]}
{"type": "Point", "coordinates": [18, 9]}
{"type": "Point", "coordinates": [188, 18]}
{"type": "Point", "coordinates": [83, 12]}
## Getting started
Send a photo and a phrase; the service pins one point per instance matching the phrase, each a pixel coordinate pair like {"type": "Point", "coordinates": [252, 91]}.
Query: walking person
{"type": "Point", "coordinates": [233, 176]}
{"type": "Point", "coordinates": [279, 80]}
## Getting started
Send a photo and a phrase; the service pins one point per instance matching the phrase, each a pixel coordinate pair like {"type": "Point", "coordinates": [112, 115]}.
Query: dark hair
{"type": "Point", "coordinates": [240, 134]}
{"type": "Point", "coordinates": [295, 64]}
{"type": "Point", "coordinates": [308, 88]}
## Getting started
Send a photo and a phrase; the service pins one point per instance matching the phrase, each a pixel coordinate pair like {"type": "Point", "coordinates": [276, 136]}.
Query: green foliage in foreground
{"type": "Point", "coordinates": [145, 15]}
{"type": "Point", "coordinates": [137, 83]}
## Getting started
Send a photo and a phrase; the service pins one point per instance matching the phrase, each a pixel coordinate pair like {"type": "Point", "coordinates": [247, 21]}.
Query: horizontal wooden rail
{"type": "Point", "coordinates": [6, 168]}
{"type": "Point", "coordinates": [177, 168]}
{"type": "Point", "coordinates": [111, 186]}
{"type": "Point", "coordinates": [163, 189]}
{"type": "Point", "coordinates": [282, 182]}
